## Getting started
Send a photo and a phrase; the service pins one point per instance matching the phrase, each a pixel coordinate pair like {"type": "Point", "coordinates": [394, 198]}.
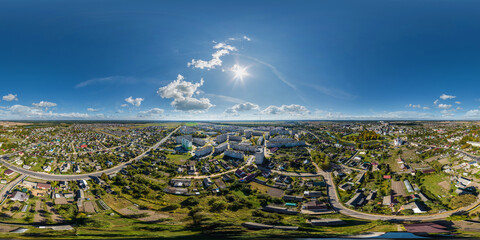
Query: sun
{"type": "Point", "coordinates": [239, 71]}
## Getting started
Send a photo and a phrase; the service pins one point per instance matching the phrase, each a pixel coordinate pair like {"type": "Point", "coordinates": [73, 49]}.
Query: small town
{"type": "Point", "coordinates": [276, 178]}
{"type": "Point", "coordinates": [242, 120]}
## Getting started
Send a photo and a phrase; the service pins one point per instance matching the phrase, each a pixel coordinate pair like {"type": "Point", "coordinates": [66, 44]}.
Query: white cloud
{"type": "Point", "coordinates": [293, 109]}
{"type": "Point", "coordinates": [10, 97]}
{"type": "Point", "coordinates": [473, 113]}
{"type": "Point", "coordinates": [414, 106]}
{"type": "Point", "coordinates": [397, 115]}
{"type": "Point", "coordinates": [447, 113]}
{"type": "Point", "coordinates": [445, 97]}
{"type": "Point", "coordinates": [247, 38]}
{"type": "Point", "coordinates": [435, 102]}
{"type": "Point", "coordinates": [124, 105]}
{"type": "Point", "coordinates": [134, 101]}
{"type": "Point", "coordinates": [154, 112]}
{"type": "Point", "coordinates": [44, 104]}
{"type": "Point", "coordinates": [242, 107]}
{"type": "Point", "coordinates": [21, 112]}
{"type": "Point", "coordinates": [426, 108]}
{"type": "Point", "coordinates": [182, 93]}
{"type": "Point", "coordinates": [458, 102]}
{"type": "Point", "coordinates": [92, 110]}
{"type": "Point", "coordinates": [222, 50]}
{"type": "Point", "coordinates": [444, 106]}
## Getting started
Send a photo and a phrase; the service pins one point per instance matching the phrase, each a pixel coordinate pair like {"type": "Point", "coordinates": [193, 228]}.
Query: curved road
{"type": "Point", "coordinates": [73, 177]}
{"type": "Point", "coordinates": [339, 207]}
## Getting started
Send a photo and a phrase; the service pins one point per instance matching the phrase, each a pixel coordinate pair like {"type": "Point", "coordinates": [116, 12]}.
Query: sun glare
{"type": "Point", "coordinates": [239, 71]}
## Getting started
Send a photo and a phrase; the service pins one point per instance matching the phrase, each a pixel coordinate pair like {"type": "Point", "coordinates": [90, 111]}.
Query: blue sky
{"type": "Point", "coordinates": [169, 60]}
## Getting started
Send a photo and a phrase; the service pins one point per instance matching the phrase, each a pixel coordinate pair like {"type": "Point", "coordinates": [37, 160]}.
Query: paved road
{"type": "Point", "coordinates": [9, 187]}
{"type": "Point", "coordinates": [249, 162]}
{"type": "Point", "coordinates": [339, 207]}
{"type": "Point", "coordinates": [456, 150]}
{"type": "Point", "coordinates": [73, 177]}
{"type": "Point", "coordinates": [335, 202]}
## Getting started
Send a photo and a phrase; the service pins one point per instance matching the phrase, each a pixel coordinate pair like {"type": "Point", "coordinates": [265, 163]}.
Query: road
{"type": "Point", "coordinates": [74, 177]}
{"type": "Point", "coordinates": [249, 162]}
{"type": "Point", "coordinates": [456, 150]}
{"type": "Point", "coordinates": [339, 207]}
{"type": "Point", "coordinates": [9, 187]}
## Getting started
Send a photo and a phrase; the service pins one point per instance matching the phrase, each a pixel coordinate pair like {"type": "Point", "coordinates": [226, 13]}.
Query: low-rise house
{"type": "Point", "coordinates": [181, 182]}
{"type": "Point", "coordinates": [327, 222]}
{"type": "Point", "coordinates": [207, 182]}
{"type": "Point", "coordinates": [357, 200]}
{"type": "Point", "coordinates": [277, 209]}
{"type": "Point", "coordinates": [312, 194]}
{"type": "Point", "coordinates": [293, 198]}
{"type": "Point", "coordinates": [44, 186]}
{"type": "Point", "coordinates": [29, 184]}
{"type": "Point", "coordinates": [345, 187]}
{"type": "Point", "coordinates": [388, 200]}
{"type": "Point", "coordinates": [315, 206]}
{"type": "Point", "coordinates": [415, 206]}
{"type": "Point", "coordinates": [19, 196]}
{"type": "Point", "coordinates": [371, 196]}
{"type": "Point", "coordinates": [8, 172]}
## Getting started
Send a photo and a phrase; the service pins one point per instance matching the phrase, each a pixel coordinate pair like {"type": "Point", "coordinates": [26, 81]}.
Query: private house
{"type": "Point", "coordinates": [19, 196]}
{"type": "Point", "coordinates": [357, 200]}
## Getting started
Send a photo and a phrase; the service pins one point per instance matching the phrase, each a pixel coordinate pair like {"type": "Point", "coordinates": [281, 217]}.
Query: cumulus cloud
{"type": "Point", "coordinates": [124, 105]}
{"type": "Point", "coordinates": [182, 93]}
{"type": "Point", "coordinates": [92, 110]}
{"type": "Point", "coordinates": [154, 112]}
{"type": "Point", "coordinates": [222, 49]}
{"type": "Point", "coordinates": [134, 101]}
{"type": "Point", "coordinates": [473, 113]}
{"type": "Point", "coordinates": [292, 109]}
{"type": "Point", "coordinates": [447, 113]}
{"type": "Point", "coordinates": [458, 102]}
{"type": "Point", "coordinates": [242, 107]}
{"type": "Point", "coordinates": [10, 97]}
{"type": "Point", "coordinates": [21, 111]}
{"type": "Point", "coordinates": [435, 102]}
{"type": "Point", "coordinates": [44, 104]}
{"type": "Point", "coordinates": [444, 106]}
{"type": "Point", "coordinates": [445, 97]}
{"type": "Point", "coordinates": [247, 38]}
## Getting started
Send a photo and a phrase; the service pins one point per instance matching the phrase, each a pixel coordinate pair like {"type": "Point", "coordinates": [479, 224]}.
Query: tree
{"type": "Point", "coordinates": [104, 177]}
{"type": "Point", "coordinates": [197, 216]}
{"type": "Point", "coordinates": [190, 202]}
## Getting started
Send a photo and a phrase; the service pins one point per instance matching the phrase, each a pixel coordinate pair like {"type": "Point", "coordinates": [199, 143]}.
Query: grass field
{"type": "Point", "coordinates": [178, 158]}
{"type": "Point", "coordinates": [431, 183]}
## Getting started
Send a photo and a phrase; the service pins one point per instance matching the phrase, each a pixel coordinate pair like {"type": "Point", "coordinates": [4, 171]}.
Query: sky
{"type": "Point", "coordinates": [239, 60]}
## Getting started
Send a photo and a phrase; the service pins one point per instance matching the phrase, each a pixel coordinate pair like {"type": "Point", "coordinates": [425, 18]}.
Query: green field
{"type": "Point", "coordinates": [431, 183]}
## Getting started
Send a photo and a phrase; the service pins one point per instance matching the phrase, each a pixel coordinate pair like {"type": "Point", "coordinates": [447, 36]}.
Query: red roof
{"type": "Point", "coordinates": [387, 177]}
{"type": "Point", "coordinates": [83, 146]}
{"type": "Point", "coordinates": [8, 172]}
{"type": "Point", "coordinates": [43, 186]}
